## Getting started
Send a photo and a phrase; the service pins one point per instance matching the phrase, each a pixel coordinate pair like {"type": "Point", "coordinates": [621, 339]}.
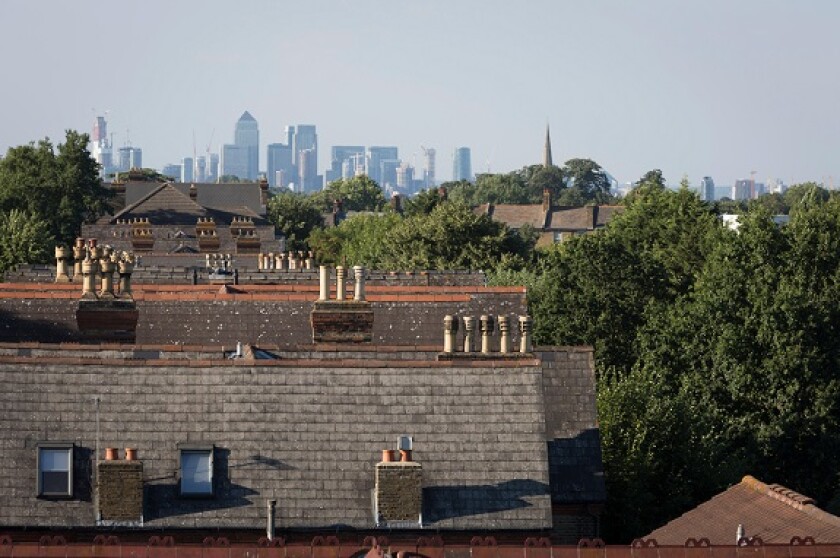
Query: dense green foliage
{"type": "Point", "coordinates": [58, 186]}
{"type": "Point", "coordinates": [451, 236]}
{"type": "Point", "coordinates": [578, 182]}
{"type": "Point", "coordinates": [359, 193]}
{"type": "Point", "coordinates": [717, 352]}
{"type": "Point", "coordinates": [294, 215]}
{"type": "Point", "coordinates": [22, 239]}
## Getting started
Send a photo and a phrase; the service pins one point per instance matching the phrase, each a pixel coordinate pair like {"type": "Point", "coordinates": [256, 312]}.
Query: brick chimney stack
{"type": "Point", "coordinates": [398, 494]}
{"type": "Point", "coordinates": [119, 490]}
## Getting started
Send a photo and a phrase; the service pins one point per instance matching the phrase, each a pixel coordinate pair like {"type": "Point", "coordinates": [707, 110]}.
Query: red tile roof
{"type": "Point", "coordinates": [771, 512]}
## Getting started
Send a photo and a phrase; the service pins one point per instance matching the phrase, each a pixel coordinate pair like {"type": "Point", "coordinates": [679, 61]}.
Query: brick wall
{"type": "Point", "coordinates": [399, 493]}
{"type": "Point", "coordinates": [119, 491]}
{"type": "Point", "coordinates": [337, 322]}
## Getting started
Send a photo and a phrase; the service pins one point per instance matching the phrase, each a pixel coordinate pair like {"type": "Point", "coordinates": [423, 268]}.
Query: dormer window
{"type": "Point", "coordinates": [196, 470]}
{"type": "Point", "coordinates": [55, 470]}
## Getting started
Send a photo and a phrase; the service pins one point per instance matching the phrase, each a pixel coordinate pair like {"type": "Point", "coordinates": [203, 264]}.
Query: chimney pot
{"type": "Point", "coordinates": [485, 324]}
{"type": "Point", "coordinates": [525, 325]}
{"type": "Point", "coordinates": [387, 456]}
{"type": "Point", "coordinates": [450, 331]}
{"type": "Point", "coordinates": [325, 283]}
{"type": "Point", "coordinates": [359, 289]}
{"type": "Point", "coordinates": [130, 454]}
{"type": "Point", "coordinates": [111, 454]}
{"type": "Point", "coordinates": [469, 334]}
{"type": "Point", "coordinates": [339, 283]}
{"type": "Point", "coordinates": [504, 330]}
{"type": "Point", "coordinates": [405, 456]}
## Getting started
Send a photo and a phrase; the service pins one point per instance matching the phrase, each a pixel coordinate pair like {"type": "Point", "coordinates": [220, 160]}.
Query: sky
{"type": "Point", "coordinates": [693, 87]}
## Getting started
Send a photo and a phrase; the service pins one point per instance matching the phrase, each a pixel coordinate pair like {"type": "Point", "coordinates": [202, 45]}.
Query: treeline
{"type": "Point", "coordinates": [431, 232]}
{"type": "Point", "coordinates": [46, 193]}
{"type": "Point", "coordinates": [717, 352]}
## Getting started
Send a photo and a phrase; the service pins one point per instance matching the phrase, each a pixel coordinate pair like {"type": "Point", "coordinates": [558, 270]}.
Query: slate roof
{"type": "Point", "coordinates": [225, 197]}
{"type": "Point", "coordinates": [305, 429]}
{"type": "Point", "coordinates": [771, 512]}
{"type": "Point", "coordinates": [258, 314]}
{"type": "Point", "coordinates": [515, 216]}
{"type": "Point", "coordinates": [556, 219]}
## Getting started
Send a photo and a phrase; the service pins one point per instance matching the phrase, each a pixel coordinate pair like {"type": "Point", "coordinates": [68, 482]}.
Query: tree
{"type": "Point", "coordinates": [423, 202]}
{"type": "Point", "coordinates": [358, 240]}
{"type": "Point", "coordinates": [59, 186]}
{"type": "Point", "coordinates": [589, 179]}
{"type": "Point", "coordinates": [807, 193]}
{"type": "Point", "coordinates": [23, 239]}
{"type": "Point", "coordinates": [294, 215]}
{"type": "Point", "coordinates": [652, 178]}
{"type": "Point", "coordinates": [450, 237]}
{"type": "Point", "coordinates": [359, 193]}
{"type": "Point", "coordinates": [233, 179]}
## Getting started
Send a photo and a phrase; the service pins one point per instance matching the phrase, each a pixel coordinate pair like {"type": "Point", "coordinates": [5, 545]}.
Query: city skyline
{"type": "Point", "coordinates": [705, 89]}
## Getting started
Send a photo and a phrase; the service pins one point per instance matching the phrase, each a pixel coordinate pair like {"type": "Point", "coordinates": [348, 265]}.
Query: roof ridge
{"type": "Point", "coordinates": [141, 200]}
{"type": "Point", "coordinates": [784, 495]}
{"type": "Point", "coordinates": [153, 193]}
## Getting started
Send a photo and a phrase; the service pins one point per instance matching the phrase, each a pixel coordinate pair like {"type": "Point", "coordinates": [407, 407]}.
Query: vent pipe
{"type": "Point", "coordinates": [271, 506]}
{"type": "Point", "coordinates": [525, 324]}
{"type": "Point", "coordinates": [504, 330]}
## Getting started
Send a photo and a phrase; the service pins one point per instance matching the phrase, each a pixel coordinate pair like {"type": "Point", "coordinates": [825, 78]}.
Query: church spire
{"type": "Point", "coordinates": [547, 152]}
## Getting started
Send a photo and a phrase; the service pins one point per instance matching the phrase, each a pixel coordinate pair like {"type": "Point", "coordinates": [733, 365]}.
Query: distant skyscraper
{"type": "Point", "coordinates": [741, 190]}
{"type": "Point", "coordinates": [211, 173]}
{"type": "Point", "coordinates": [247, 134]}
{"type": "Point", "coordinates": [429, 176]}
{"type": "Point", "coordinates": [305, 138]}
{"type": "Point", "coordinates": [172, 171]}
{"type": "Point", "coordinates": [279, 165]}
{"type": "Point", "coordinates": [101, 147]}
{"type": "Point", "coordinates": [342, 161]}
{"type": "Point", "coordinates": [129, 158]}
{"type": "Point", "coordinates": [201, 169]}
{"type": "Point", "coordinates": [388, 172]}
{"type": "Point", "coordinates": [308, 170]}
{"type": "Point", "coordinates": [462, 164]}
{"type": "Point", "coordinates": [242, 158]}
{"type": "Point", "coordinates": [136, 158]}
{"type": "Point", "coordinates": [234, 161]}
{"type": "Point", "coordinates": [187, 167]}
{"type": "Point", "coordinates": [375, 156]}
{"type": "Point", "coordinates": [405, 178]}
{"type": "Point", "coordinates": [707, 189]}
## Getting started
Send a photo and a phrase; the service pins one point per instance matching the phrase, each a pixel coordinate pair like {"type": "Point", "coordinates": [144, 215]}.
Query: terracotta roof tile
{"type": "Point", "coordinates": [772, 512]}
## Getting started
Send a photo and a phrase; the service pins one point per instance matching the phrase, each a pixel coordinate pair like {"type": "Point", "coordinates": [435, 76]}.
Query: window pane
{"type": "Point", "coordinates": [55, 483]}
{"type": "Point", "coordinates": [55, 459]}
{"type": "Point", "coordinates": [196, 476]}
{"type": "Point", "coordinates": [54, 464]}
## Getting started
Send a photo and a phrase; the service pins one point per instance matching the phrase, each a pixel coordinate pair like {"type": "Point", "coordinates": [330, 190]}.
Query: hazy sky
{"type": "Point", "coordinates": [711, 87]}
